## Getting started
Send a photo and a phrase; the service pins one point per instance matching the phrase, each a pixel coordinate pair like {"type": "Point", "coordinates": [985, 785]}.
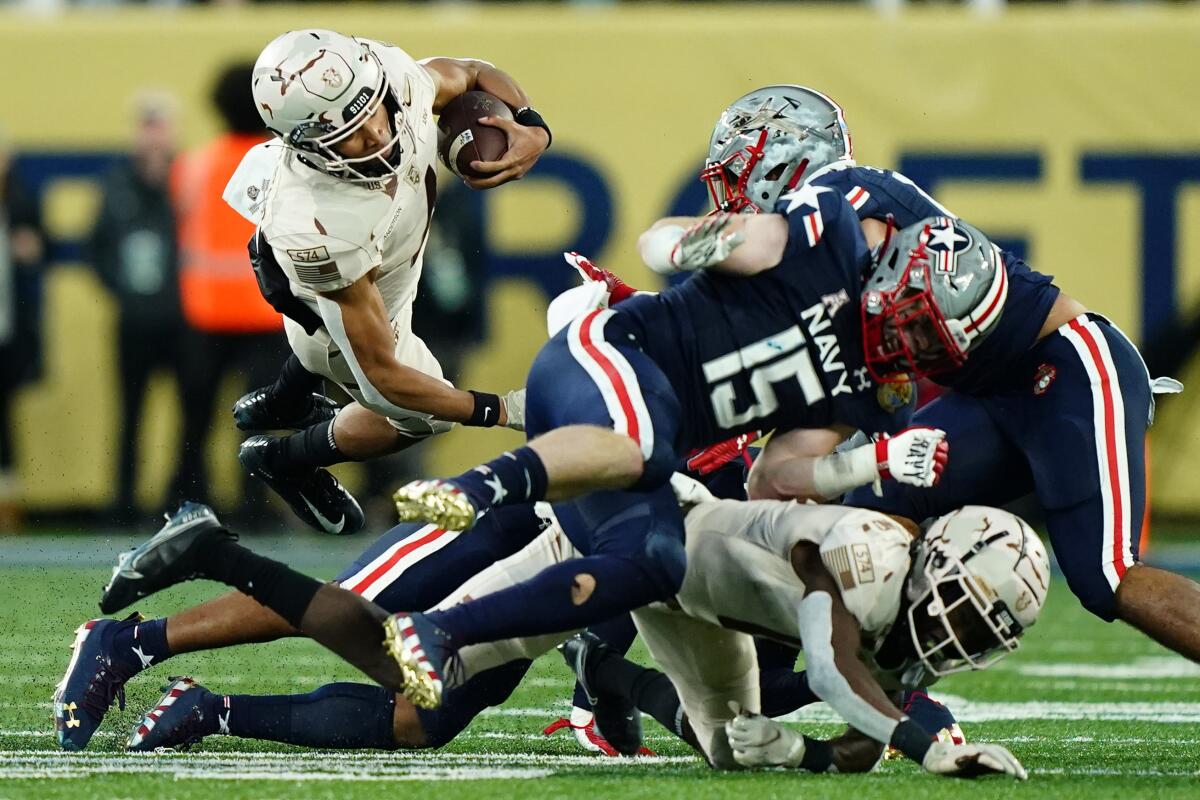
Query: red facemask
{"type": "Point", "coordinates": [727, 180]}
{"type": "Point", "coordinates": [904, 332]}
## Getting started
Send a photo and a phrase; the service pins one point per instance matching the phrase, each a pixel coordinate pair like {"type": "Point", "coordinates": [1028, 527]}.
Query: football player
{"type": "Point", "coordinates": [840, 581]}
{"type": "Point", "coordinates": [1056, 401]}
{"type": "Point", "coordinates": [342, 199]}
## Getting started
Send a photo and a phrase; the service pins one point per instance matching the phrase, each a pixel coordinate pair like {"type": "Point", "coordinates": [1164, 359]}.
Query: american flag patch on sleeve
{"type": "Point", "coordinates": [314, 265]}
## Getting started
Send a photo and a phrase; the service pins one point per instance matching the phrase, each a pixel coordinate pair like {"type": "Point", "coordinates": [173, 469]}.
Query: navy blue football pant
{"type": "Point", "coordinates": [593, 373]}
{"type": "Point", "coordinates": [1070, 428]}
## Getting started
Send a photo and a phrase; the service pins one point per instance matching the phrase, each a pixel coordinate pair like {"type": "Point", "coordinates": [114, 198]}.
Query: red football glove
{"type": "Point", "coordinates": [710, 459]}
{"type": "Point", "coordinates": [618, 290]}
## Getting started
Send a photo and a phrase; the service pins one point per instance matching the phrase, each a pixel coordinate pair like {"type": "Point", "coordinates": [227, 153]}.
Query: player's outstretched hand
{"type": "Point", "coordinates": [513, 405]}
{"type": "Point", "coordinates": [525, 145]}
{"type": "Point", "coordinates": [759, 741]}
{"type": "Point", "coordinates": [915, 456]}
{"type": "Point", "coordinates": [972, 760]}
{"type": "Point", "coordinates": [707, 242]}
{"type": "Point", "coordinates": [618, 289]}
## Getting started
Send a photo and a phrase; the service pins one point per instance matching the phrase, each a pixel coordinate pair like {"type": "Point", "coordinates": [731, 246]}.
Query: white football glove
{"type": "Point", "coordinates": [514, 408]}
{"type": "Point", "coordinates": [706, 243]}
{"type": "Point", "coordinates": [759, 741]}
{"type": "Point", "coordinates": [971, 761]}
{"type": "Point", "coordinates": [915, 456]}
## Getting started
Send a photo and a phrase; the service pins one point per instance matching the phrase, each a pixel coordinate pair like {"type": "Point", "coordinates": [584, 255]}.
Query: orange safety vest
{"type": "Point", "coordinates": [216, 284]}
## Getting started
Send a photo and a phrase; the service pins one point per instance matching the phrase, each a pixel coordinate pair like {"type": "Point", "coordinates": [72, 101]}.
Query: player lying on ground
{"type": "Point", "coordinates": [914, 618]}
{"type": "Point", "coordinates": [342, 200]}
{"type": "Point", "coordinates": [1056, 402]}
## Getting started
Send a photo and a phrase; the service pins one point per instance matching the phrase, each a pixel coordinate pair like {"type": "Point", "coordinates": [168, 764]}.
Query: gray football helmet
{"type": "Point", "coordinates": [936, 289]}
{"type": "Point", "coordinates": [768, 142]}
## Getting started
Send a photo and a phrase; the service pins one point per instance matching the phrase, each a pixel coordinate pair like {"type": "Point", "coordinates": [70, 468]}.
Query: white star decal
{"type": "Point", "coordinates": [498, 492]}
{"type": "Point", "coordinates": [806, 195]}
{"type": "Point", "coordinates": [947, 236]}
{"type": "Point", "coordinates": [145, 659]}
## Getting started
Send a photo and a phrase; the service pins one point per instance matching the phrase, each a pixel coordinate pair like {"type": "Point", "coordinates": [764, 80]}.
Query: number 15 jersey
{"type": "Point", "coordinates": [781, 349]}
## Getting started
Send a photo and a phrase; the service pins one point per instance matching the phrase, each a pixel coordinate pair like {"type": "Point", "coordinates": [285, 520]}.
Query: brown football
{"type": "Point", "coordinates": [461, 139]}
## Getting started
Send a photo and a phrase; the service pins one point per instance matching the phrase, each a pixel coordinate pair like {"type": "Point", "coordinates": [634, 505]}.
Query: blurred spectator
{"type": "Point", "coordinates": [229, 326]}
{"type": "Point", "coordinates": [134, 250]}
{"type": "Point", "coordinates": [22, 248]}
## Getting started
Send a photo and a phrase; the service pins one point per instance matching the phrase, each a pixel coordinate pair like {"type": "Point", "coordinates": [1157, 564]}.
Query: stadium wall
{"type": "Point", "coordinates": [1070, 133]}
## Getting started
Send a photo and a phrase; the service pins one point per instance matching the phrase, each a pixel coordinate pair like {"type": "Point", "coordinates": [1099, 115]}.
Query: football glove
{"type": "Point", "coordinates": [618, 290]}
{"type": "Point", "coordinates": [707, 242]}
{"type": "Point", "coordinates": [759, 741]}
{"type": "Point", "coordinates": [713, 457]}
{"type": "Point", "coordinates": [514, 408]}
{"type": "Point", "coordinates": [971, 761]}
{"type": "Point", "coordinates": [914, 456]}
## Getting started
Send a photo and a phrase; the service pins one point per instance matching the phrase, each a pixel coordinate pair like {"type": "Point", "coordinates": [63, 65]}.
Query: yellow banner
{"type": "Point", "coordinates": [1073, 133]}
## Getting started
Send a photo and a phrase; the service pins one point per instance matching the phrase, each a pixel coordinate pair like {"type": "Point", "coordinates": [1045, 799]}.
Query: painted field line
{"type": "Point", "coordinates": [975, 711]}
{"type": "Point", "coordinates": [418, 774]}
{"type": "Point", "coordinates": [1146, 668]}
{"type": "Point", "coordinates": [321, 760]}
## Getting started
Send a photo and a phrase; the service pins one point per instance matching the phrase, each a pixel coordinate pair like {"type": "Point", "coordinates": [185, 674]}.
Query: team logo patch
{"type": "Point", "coordinates": [834, 302]}
{"type": "Point", "coordinates": [894, 396]}
{"type": "Point", "coordinates": [1045, 375]}
{"type": "Point", "coordinates": [946, 242]}
{"type": "Point", "coordinates": [332, 78]}
{"type": "Point", "coordinates": [327, 76]}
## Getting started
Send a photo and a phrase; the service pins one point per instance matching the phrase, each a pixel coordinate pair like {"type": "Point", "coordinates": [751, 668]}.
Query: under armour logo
{"type": "Point", "coordinates": [71, 722]}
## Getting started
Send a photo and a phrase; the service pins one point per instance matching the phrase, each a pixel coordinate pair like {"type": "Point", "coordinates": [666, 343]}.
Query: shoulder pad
{"type": "Point", "coordinates": [867, 555]}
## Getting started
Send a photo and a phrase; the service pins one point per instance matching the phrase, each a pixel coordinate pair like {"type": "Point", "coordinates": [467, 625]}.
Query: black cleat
{"type": "Point", "coordinates": [314, 494]}
{"type": "Point", "coordinates": [617, 719]}
{"type": "Point", "coordinates": [167, 558]}
{"type": "Point", "coordinates": [254, 412]}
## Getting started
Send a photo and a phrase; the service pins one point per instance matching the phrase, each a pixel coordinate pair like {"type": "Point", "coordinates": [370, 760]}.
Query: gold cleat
{"type": "Point", "coordinates": [421, 683]}
{"type": "Point", "coordinates": [435, 501]}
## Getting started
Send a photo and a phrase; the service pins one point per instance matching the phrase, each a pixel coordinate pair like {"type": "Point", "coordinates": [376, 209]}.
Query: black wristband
{"type": "Point", "coordinates": [818, 755]}
{"type": "Point", "coordinates": [531, 119]}
{"type": "Point", "coordinates": [486, 412]}
{"type": "Point", "coordinates": [911, 739]}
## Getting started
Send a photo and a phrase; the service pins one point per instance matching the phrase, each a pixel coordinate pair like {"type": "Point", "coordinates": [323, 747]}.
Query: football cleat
{"type": "Point", "coordinates": [582, 723]}
{"type": "Point", "coordinates": [313, 494]}
{"type": "Point", "coordinates": [167, 558]}
{"type": "Point", "coordinates": [253, 412]}
{"type": "Point", "coordinates": [182, 717]}
{"type": "Point", "coordinates": [95, 677]}
{"type": "Point", "coordinates": [617, 719]}
{"type": "Point", "coordinates": [428, 662]}
{"type": "Point", "coordinates": [439, 502]}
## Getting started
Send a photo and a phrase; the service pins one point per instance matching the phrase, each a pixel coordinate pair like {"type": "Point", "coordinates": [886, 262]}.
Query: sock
{"type": "Point", "coordinates": [650, 690]}
{"type": "Point", "coordinates": [291, 393]}
{"type": "Point", "coordinates": [618, 633]}
{"type": "Point", "coordinates": [784, 690]}
{"type": "Point", "coordinates": [276, 585]}
{"type": "Point", "coordinates": [543, 604]}
{"type": "Point", "coordinates": [517, 476]}
{"type": "Point", "coordinates": [338, 715]}
{"type": "Point", "coordinates": [462, 704]}
{"type": "Point", "coordinates": [143, 644]}
{"type": "Point", "coordinates": [307, 449]}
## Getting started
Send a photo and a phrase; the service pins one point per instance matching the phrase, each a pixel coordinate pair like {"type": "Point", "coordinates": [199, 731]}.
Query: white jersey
{"type": "Point", "coordinates": [327, 233]}
{"type": "Point", "coordinates": [739, 571]}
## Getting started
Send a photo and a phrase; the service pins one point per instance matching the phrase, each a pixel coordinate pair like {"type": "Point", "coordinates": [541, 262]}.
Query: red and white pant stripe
{"type": "Point", "coordinates": [614, 377]}
{"type": "Point", "coordinates": [389, 565]}
{"type": "Point", "coordinates": [1108, 411]}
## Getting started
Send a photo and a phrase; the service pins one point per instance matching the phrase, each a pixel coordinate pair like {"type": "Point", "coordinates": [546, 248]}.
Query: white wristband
{"type": "Point", "coordinates": [838, 473]}
{"type": "Point", "coordinates": [659, 244]}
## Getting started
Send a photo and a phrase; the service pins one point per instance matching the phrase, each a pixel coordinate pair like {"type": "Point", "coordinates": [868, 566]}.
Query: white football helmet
{"type": "Point", "coordinates": [978, 581]}
{"type": "Point", "coordinates": [315, 88]}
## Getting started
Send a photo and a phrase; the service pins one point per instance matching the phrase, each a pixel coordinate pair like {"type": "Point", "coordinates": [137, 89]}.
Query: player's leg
{"type": "Point", "coordinates": [1091, 477]}
{"type": "Point", "coordinates": [294, 400]}
{"type": "Point", "coordinates": [600, 416]}
{"type": "Point", "coordinates": [617, 635]}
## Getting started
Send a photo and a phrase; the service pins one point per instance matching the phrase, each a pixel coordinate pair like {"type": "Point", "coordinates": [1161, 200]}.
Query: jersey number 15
{"type": "Point", "coordinates": [773, 360]}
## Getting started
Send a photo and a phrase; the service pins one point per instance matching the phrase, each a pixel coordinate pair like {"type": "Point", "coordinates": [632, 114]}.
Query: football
{"type": "Point", "coordinates": [462, 139]}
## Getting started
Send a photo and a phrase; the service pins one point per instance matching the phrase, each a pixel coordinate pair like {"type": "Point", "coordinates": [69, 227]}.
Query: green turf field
{"type": "Point", "coordinates": [1092, 710]}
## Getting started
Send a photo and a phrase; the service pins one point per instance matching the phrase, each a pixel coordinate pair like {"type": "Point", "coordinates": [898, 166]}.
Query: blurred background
{"type": "Point", "coordinates": [1068, 131]}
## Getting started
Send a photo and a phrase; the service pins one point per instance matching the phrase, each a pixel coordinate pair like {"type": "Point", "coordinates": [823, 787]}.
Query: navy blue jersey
{"type": "Point", "coordinates": [877, 193]}
{"type": "Point", "coordinates": [778, 350]}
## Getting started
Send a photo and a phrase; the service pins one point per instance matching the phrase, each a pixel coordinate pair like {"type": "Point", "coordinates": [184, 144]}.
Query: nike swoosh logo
{"type": "Point", "coordinates": [326, 524]}
{"type": "Point", "coordinates": [487, 410]}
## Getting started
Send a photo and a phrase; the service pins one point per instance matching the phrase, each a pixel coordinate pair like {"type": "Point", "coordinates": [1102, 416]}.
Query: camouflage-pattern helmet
{"type": "Point", "coordinates": [768, 142]}
{"type": "Point", "coordinates": [935, 291]}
